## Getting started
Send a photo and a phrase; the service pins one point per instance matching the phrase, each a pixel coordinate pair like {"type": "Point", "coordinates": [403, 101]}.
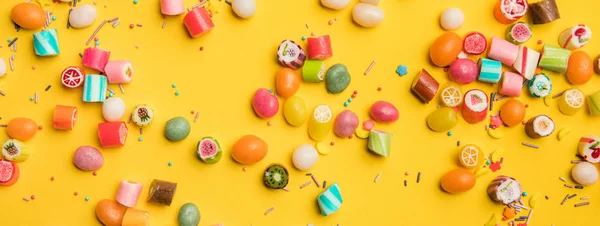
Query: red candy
{"type": "Point", "coordinates": [9, 173]}
{"type": "Point", "coordinates": [198, 22]}
{"type": "Point", "coordinates": [474, 43]}
{"type": "Point", "coordinates": [95, 58]}
{"type": "Point", "coordinates": [112, 134]}
{"type": "Point", "coordinates": [319, 48]}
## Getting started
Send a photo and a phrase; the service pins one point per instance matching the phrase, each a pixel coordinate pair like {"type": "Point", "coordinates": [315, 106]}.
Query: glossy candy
{"type": "Point", "coordinates": [177, 129]}
{"type": "Point", "coordinates": [110, 213]}
{"type": "Point", "coordinates": [95, 58]}
{"type": "Point", "coordinates": [474, 109]}
{"type": "Point", "coordinates": [380, 142]}
{"type": "Point", "coordinates": [9, 173]}
{"type": "Point", "coordinates": [264, 103]}
{"type": "Point", "coordinates": [575, 37]}
{"type": "Point", "coordinates": [276, 176]}
{"type": "Point", "coordinates": [512, 112]}
{"type": "Point", "coordinates": [504, 190]}
{"type": "Point", "coordinates": [511, 84]}
{"type": "Point", "coordinates": [320, 123]}
{"type": "Point", "coordinates": [589, 148]}
{"type": "Point", "coordinates": [571, 101]}
{"type": "Point", "coordinates": [313, 71]}
{"type": "Point", "coordinates": [452, 19]}
{"type": "Point", "coordinates": [94, 88]}
{"type": "Point", "coordinates": [291, 55]}
{"type": "Point", "coordinates": [64, 117]}
{"type": "Point", "coordinates": [580, 68]}
{"type": "Point", "coordinates": [471, 156]}
{"type": "Point", "coordinates": [383, 111]}
{"type": "Point", "coordinates": [21, 129]}
{"type": "Point", "coordinates": [539, 126]}
{"type": "Point", "coordinates": [451, 96]}
{"type": "Point", "coordinates": [445, 49]}
{"type": "Point", "coordinates": [526, 62]}
{"type": "Point", "coordinates": [519, 33]}
{"type": "Point", "coordinates": [463, 71]}
{"type": "Point", "coordinates": [244, 8]}
{"type": "Point", "coordinates": [172, 7]}
{"type": "Point", "coordinates": [503, 51]}
{"type": "Point", "coordinates": [509, 11]}
{"type": "Point", "coordinates": [475, 43]}
{"type": "Point", "coordinates": [45, 43]}
{"type": "Point", "coordinates": [113, 109]}
{"type": "Point", "coordinates": [490, 71]}
{"type": "Point", "coordinates": [128, 193]}
{"type": "Point", "coordinates": [330, 200]}
{"type": "Point", "coordinates": [82, 16]}
{"type": "Point", "coordinates": [28, 15]}
{"type": "Point", "coordinates": [88, 158]}
{"type": "Point", "coordinates": [135, 217]}
{"type": "Point", "coordinates": [295, 111]}
{"type": "Point", "coordinates": [198, 22]}
{"type": "Point", "coordinates": [337, 78]}
{"type": "Point", "coordinates": [209, 150]}
{"type": "Point", "coordinates": [458, 181]}
{"type": "Point", "coordinates": [72, 77]}
{"type": "Point", "coordinates": [544, 11]}
{"type": "Point", "coordinates": [112, 134]}
{"type": "Point", "coordinates": [319, 48]}
{"type": "Point", "coordinates": [189, 215]}
{"type": "Point", "coordinates": [585, 173]}
{"type": "Point", "coordinates": [335, 4]}
{"type": "Point", "coordinates": [442, 119]}
{"type": "Point", "coordinates": [161, 192]}
{"type": "Point", "coordinates": [367, 15]}
{"type": "Point", "coordinates": [540, 86]}
{"type": "Point", "coordinates": [554, 58]}
{"type": "Point", "coordinates": [13, 150]}
{"type": "Point", "coordinates": [305, 157]}
{"type": "Point", "coordinates": [249, 149]}
{"type": "Point", "coordinates": [287, 82]}
{"type": "Point", "coordinates": [120, 71]}
{"type": "Point", "coordinates": [425, 86]}
{"type": "Point", "coordinates": [345, 123]}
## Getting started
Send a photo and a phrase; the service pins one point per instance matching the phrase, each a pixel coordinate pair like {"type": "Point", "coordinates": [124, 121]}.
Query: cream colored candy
{"type": "Point", "coordinates": [2, 68]}
{"type": "Point", "coordinates": [367, 15]}
{"type": "Point", "coordinates": [372, 2]}
{"type": "Point", "coordinates": [335, 4]}
{"type": "Point", "coordinates": [82, 16]}
{"type": "Point", "coordinates": [244, 8]}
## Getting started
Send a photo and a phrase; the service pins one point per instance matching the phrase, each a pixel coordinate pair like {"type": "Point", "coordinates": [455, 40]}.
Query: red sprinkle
{"type": "Point", "coordinates": [493, 127]}
{"type": "Point", "coordinates": [40, 127]}
{"type": "Point", "coordinates": [539, 42]}
{"type": "Point", "coordinates": [526, 105]}
{"type": "Point", "coordinates": [131, 26]}
{"type": "Point", "coordinates": [330, 22]}
{"type": "Point", "coordinates": [96, 39]}
{"type": "Point", "coordinates": [353, 95]}
{"type": "Point", "coordinates": [378, 88]}
{"type": "Point", "coordinates": [355, 92]}
{"type": "Point", "coordinates": [192, 112]}
{"type": "Point", "coordinates": [32, 196]}
{"type": "Point", "coordinates": [524, 122]}
{"type": "Point", "coordinates": [94, 173]}
{"type": "Point", "coordinates": [269, 123]}
{"type": "Point", "coordinates": [446, 69]}
{"type": "Point", "coordinates": [76, 193]}
{"type": "Point", "coordinates": [350, 137]}
{"type": "Point", "coordinates": [52, 178]}
{"type": "Point", "coordinates": [332, 143]}
{"type": "Point", "coordinates": [201, 48]}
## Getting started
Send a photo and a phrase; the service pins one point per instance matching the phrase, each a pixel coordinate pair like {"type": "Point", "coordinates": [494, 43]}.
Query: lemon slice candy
{"type": "Point", "coordinates": [451, 96]}
{"type": "Point", "coordinates": [320, 124]}
{"type": "Point", "coordinates": [571, 101]}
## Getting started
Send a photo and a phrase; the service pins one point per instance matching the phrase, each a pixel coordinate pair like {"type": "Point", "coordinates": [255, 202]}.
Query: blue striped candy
{"type": "Point", "coordinates": [94, 88]}
{"type": "Point", "coordinates": [489, 70]}
{"type": "Point", "coordinates": [330, 200]}
{"type": "Point", "coordinates": [45, 43]}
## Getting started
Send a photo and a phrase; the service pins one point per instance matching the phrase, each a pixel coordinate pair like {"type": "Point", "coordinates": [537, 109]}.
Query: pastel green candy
{"type": "Point", "coordinates": [555, 58]}
{"type": "Point", "coordinates": [330, 200]}
{"type": "Point", "coordinates": [338, 78]}
{"type": "Point", "coordinates": [189, 215]}
{"type": "Point", "coordinates": [380, 142]}
{"type": "Point", "coordinates": [177, 129]}
{"type": "Point", "coordinates": [594, 103]}
{"type": "Point", "coordinates": [540, 86]}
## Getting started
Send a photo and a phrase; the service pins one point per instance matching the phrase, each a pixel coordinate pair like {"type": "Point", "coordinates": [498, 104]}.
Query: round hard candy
{"type": "Point", "coordinates": [177, 129]}
{"type": "Point", "coordinates": [189, 215]}
{"type": "Point", "coordinates": [244, 8]}
{"type": "Point", "coordinates": [452, 19]}
{"type": "Point", "coordinates": [335, 4]}
{"type": "Point", "coordinates": [305, 157]}
{"type": "Point", "coordinates": [82, 16]}
{"type": "Point", "coordinates": [88, 158]}
{"type": "Point", "coordinates": [367, 15]}
{"type": "Point", "coordinates": [113, 109]}
{"type": "Point", "coordinates": [585, 173]}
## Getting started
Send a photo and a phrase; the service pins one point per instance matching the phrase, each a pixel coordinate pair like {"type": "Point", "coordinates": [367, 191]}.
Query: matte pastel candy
{"type": "Point", "coordinates": [177, 129]}
{"type": "Point", "coordinates": [575, 37]}
{"type": "Point", "coordinates": [189, 215]}
{"type": "Point", "coordinates": [2, 68]}
{"type": "Point", "coordinates": [95, 58]}
{"type": "Point", "coordinates": [555, 58]}
{"type": "Point", "coordinates": [113, 109]}
{"type": "Point", "coordinates": [345, 123]}
{"type": "Point", "coordinates": [82, 16]}
{"type": "Point", "coordinates": [120, 71]}
{"type": "Point", "coordinates": [45, 43]}
{"type": "Point", "coordinates": [503, 51]}
{"type": "Point", "coordinates": [128, 193]}
{"type": "Point", "coordinates": [511, 84]}
{"type": "Point", "coordinates": [198, 22]}
{"type": "Point", "coordinates": [172, 7]}
{"type": "Point", "coordinates": [330, 200]}
{"type": "Point", "coordinates": [490, 71]}
{"type": "Point", "coordinates": [527, 61]}
{"type": "Point", "coordinates": [380, 142]}
{"type": "Point", "coordinates": [94, 88]}
{"type": "Point", "coordinates": [88, 158]}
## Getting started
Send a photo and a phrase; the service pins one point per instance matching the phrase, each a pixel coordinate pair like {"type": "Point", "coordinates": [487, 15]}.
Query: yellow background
{"type": "Point", "coordinates": [240, 56]}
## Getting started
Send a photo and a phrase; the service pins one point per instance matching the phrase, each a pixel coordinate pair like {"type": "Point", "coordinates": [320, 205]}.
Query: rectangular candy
{"type": "Point", "coordinates": [172, 7]}
{"type": "Point", "coordinates": [95, 58]}
{"type": "Point", "coordinates": [128, 193]}
{"type": "Point", "coordinates": [64, 117]}
{"type": "Point", "coordinates": [198, 22]}
{"type": "Point", "coordinates": [555, 58]}
{"type": "Point", "coordinates": [94, 88]}
{"type": "Point", "coordinates": [503, 51]}
{"type": "Point", "coordinates": [120, 71]}
{"type": "Point", "coordinates": [425, 86]}
{"type": "Point", "coordinates": [527, 61]}
{"type": "Point", "coordinates": [162, 192]}
{"type": "Point", "coordinates": [45, 43]}
{"type": "Point", "coordinates": [490, 71]}
{"type": "Point", "coordinates": [330, 200]}
{"type": "Point", "coordinates": [319, 48]}
{"type": "Point", "coordinates": [112, 134]}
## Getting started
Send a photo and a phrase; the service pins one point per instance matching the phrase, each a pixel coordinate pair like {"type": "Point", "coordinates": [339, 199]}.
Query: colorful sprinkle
{"type": "Point", "coordinates": [303, 38]}
{"type": "Point", "coordinates": [407, 173]}
{"type": "Point", "coordinates": [379, 89]}
{"type": "Point", "coordinates": [524, 194]}
{"type": "Point", "coordinates": [32, 197]}
{"type": "Point", "coordinates": [76, 193]}
{"type": "Point", "coordinates": [270, 90]}
{"type": "Point", "coordinates": [52, 178]}
{"type": "Point", "coordinates": [402, 70]}
{"type": "Point", "coordinates": [269, 123]}
{"type": "Point", "coordinates": [332, 143]}
{"type": "Point", "coordinates": [349, 99]}
{"type": "Point", "coordinates": [330, 22]}
{"type": "Point", "coordinates": [449, 133]}
{"type": "Point", "coordinates": [201, 48]}
{"type": "Point", "coordinates": [170, 163]}
{"type": "Point", "coordinates": [53, 17]}
{"type": "Point", "coordinates": [131, 26]}
{"type": "Point", "coordinates": [87, 198]}
{"type": "Point", "coordinates": [176, 93]}
{"type": "Point", "coordinates": [345, 104]}
{"type": "Point", "coordinates": [377, 177]}
{"type": "Point", "coordinates": [135, 1]}
{"type": "Point", "coordinates": [40, 127]}
{"type": "Point", "coordinates": [140, 138]}
{"type": "Point", "coordinates": [174, 85]}
{"type": "Point", "coordinates": [95, 173]}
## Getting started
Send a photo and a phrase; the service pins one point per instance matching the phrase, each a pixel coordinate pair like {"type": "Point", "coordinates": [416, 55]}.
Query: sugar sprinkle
{"type": "Point", "coordinates": [95, 32]}
{"type": "Point", "coordinates": [582, 204]}
{"type": "Point", "coordinates": [369, 68]}
{"type": "Point", "coordinates": [377, 177]}
{"type": "Point", "coordinates": [315, 180]}
{"type": "Point", "coordinates": [305, 184]}
{"type": "Point", "coordinates": [269, 210]}
{"type": "Point", "coordinates": [530, 145]}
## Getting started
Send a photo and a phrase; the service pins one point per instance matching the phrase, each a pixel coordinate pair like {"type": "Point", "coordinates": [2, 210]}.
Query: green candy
{"type": "Point", "coordinates": [177, 129]}
{"type": "Point", "coordinates": [189, 215]}
{"type": "Point", "coordinates": [555, 58]}
{"type": "Point", "coordinates": [338, 78]}
{"type": "Point", "coordinates": [380, 142]}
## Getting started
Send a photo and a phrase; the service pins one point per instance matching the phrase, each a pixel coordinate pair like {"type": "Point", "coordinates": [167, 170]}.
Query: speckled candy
{"type": "Point", "coordinates": [463, 71]}
{"type": "Point", "coordinates": [95, 58]}
{"type": "Point", "coordinates": [88, 158]}
{"type": "Point", "coordinates": [161, 192]}
{"type": "Point", "coordinates": [177, 129]}
{"type": "Point", "coordinates": [189, 215]}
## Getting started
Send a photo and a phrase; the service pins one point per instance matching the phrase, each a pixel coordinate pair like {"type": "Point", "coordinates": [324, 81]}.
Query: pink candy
{"type": "Point", "coordinates": [463, 71]}
{"type": "Point", "coordinates": [503, 51]}
{"type": "Point", "coordinates": [198, 22]}
{"type": "Point", "coordinates": [119, 71]}
{"type": "Point", "coordinates": [172, 7]}
{"type": "Point", "coordinates": [128, 193]}
{"type": "Point", "coordinates": [95, 58]}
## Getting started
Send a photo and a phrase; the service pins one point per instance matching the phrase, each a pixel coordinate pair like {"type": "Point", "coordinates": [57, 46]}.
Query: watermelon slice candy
{"type": "Point", "coordinates": [475, 43]}
{"type": "Point", "coordinates": [520, 32]}
{"type": "Point", "coordinates": [9, 173]}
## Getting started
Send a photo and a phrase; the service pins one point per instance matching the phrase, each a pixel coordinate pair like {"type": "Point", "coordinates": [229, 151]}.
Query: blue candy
{"type": "Point", "coordinates": [45, 43]}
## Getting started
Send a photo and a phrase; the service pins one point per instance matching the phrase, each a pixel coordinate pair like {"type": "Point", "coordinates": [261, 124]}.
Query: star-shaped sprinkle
{"type": "Point", "coordinates": [402, 70]}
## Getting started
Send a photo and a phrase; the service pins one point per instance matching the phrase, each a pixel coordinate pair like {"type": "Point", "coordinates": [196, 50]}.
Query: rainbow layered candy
{"type": "Point", "coordinates": [94, 88]}
{"type": "Point", "coordinates": [45, 43]}
{"type": "Point", "coordinates": [330, 200]}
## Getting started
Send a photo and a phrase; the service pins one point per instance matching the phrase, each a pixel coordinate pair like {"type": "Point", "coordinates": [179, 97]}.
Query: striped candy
{"type": "Point", "coordinates": [94, 88]}
{"type": "Point", "coordinates": [291, 54]}
{"type": "Point", "coordinates": [489, 70]}
{"type": "Point", "coordinates": [380, 142]}
{"type": "Point", "coordinates": [540, 86]}
{"type": "Point", "coordinates": [527, 61]}
{"type": "Point", "coordinates": [330, 200]}
{"type": "Point", "coordinates": [45, 43]}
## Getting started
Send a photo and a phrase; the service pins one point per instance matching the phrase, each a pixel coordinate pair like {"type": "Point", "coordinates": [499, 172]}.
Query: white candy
{"type": "Point", "coordinates": [452, 19]}
{"type": "Point", "coordinates": [2, 67]}
{"type": "Point", "coordinates": [82, 16]}
{"type": "Point", "coordinates": [585, 173]}
{"type": "Point", "coordinates": [335, 4]}
{"type": "Point", "coordinates": [305, 157]}
{"type": "Point", "coordinates": [113, 109]}
{"type": "Point", "coordinates": [244, 8]}
{"type": "Point", "coordinates": [367, 15]}
{"type": "Point", "coordinates": [372, 2]}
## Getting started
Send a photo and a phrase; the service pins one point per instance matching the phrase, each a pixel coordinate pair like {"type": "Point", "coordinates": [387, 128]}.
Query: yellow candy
{"type": "Point", "coordinates": [295, 111]}
{"type": "Point", "coordinates": [497, 155]}
{"type": "Point", "coordinates": [563, 132]}
{"type": "Point", "coordinates": [533, 200]}
{"type": "Point", "coordinates": [361, 133]}
{"type": "Point", "coordinates": [571, 101]}
{"type": "Point", "coordinates": [323, 148]}
{"type": "Point", "coordinates": [493, 221]}
{"type": "Point", "coordinates": [495, 133]}
{"type": "Point", "coordinates": [320, 123]}
{"type": "Point", "coordinates": [442, 119]}
{"type": "Point", "coordinates": [482, 171]}
{"type": "Point", "coordinates": [548, 101]}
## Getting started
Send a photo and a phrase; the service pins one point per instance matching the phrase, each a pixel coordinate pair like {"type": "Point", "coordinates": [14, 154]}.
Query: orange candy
{"type": "Point", "coordinates": [445, 49]}
{"type": "Point", "coordinates": [134, 217]}
{"type": "Point", "coordinates": [580, 69]}
{"type": "Point", "coordinates": [110, 213]}
{"type": "Point", "coordinates": [512, 112]}
{"type": "Point", "coordinates": [21, 128]}
{"type": "Point", "coordinates": [287, 82]}
{"type": "Point", "coordinates": [458, 180]}
{"type": "Point", "coordinates": [249, 149]}
{"type": "Point", "coordinates": [28, 15]}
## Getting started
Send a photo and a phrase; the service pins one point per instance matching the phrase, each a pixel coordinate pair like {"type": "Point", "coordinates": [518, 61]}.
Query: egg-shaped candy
{"type": "Point", "coordinates": [244, 8]}
{"type": "Point", "coordinates": [458, 181]}
{"type": "Point", "coordinates": [28, 15]}
{"type": "Point", "coordinates": [452, 19]}
{"type": "Point", "coordinates": [580, 68]}
{"type": "Point", "coordinates": [463, 71]}
{"type": "Point", "coordinates": [295, 111]}
{"type": "Point", "coordinates": [82, 16]}
{"type": "Point", "coordinates": [442, 119]}
{"type": "Point", "coordinates": [249, 149]}
{"type": "Point", "coordinates": [287, 82]}
{"type": "Point", "coordinates": [512, 112]}
{"type": "Point", "coordinates": [383, 111]}
{"type": "Point", "coordinates": [88, 158]}
{"type": "Point", "coordinates": [585, 173]}
{"type": "Point", "coordinates": [305, 157]}
{"type": "Point", "coordinates": [264, 103]}
{"type": "Point", "coordinates": [113, 109]}
{"type": "Point", "coordinates": [367, 15]}
{"type": "Point", "coordinates": [345, 123]}
{"type": "Point", "coordinates": [21, 128]}
{"type": "Point", "coordinates": [335, 4]}
{"type": "Point", "coordinates": [445, 49]}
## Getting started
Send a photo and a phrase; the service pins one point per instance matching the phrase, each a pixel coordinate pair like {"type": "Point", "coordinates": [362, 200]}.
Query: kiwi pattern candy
{"type": "Point", "coordinates": [276, 176]}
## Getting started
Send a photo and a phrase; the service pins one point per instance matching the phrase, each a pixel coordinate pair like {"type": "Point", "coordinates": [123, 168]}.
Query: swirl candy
{"type": "Point", "coordinates": [425, 86]}
{"type": "Point", "coordinates": [330, 200]}
{"type": "Point", "coordinates": [95, 58]}
{"type": "Point", "coordinates": [291, 54]}
{"type": "Point", "coordinates": [490, 71]}
{"type": "Point", "coordinates": [172, 7]}
{"type": "Point", "coordinates": [128, 193]}
{"type": "Point", "coordinates": [198, 22]}
{"type": "Point", "coordinates": [555, 58]}
{"type": "Point", "coordinates": [544, 11]}
{"type": "Point", "coordinates": [45, 43]}
{"type": "Point", "coordinates": [112, 134]}
{"type": "Point", "coordinates": [475, 105]}
{"type": "Point", "coordinates": [575, 37]}
{"type": "Point", "coordinates": [540, 86]}
{"type": "Point", "coordinates": [505, 190]}
{"type": "Point", "coordinates": [511, 84]}
{"type": "Point", "coordinates": [589, 148]}
{"type": "Point", "coordinates": [539, 126]}
{"type": "Point", "coordinates": [119, 71]}
{"type": "Point", "coordinates": [94, 88]}
{"type": "Point", "coordinates": [503, 51]}
{"type": "Point", "coordinates": [526, 62]}
{"type": "Point", "coordinates": [64, 117]}
{"type": "Point", "coordinates": [319, 48]}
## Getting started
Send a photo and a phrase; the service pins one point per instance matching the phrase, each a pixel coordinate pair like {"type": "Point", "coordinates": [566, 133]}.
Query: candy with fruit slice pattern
{"type": "Point", "coordinates": [519, 33]}
{"type": "Point", "coordinates": [13, 150]}
{"type": "Point", "coordinates": [508, 11]}
{"type": "Point", "coordinates": [589, 148]}
{"type": "Point", "coordinates": [9, 173]}
{"type": "Point", "coordinates": [575, 37]}
{"type": "Point", "coordinates": [142, 115]}
{"type": "Point", "coordinates": [475, 43]}
{"type": "Point", "coordinates": [475, 105]}
{"type": "Point", "coordinates": [209, 150]}
{"type": "Point", "coordinates": [504, 190]}
{"type": "Point", "coordinates": [276, 176]}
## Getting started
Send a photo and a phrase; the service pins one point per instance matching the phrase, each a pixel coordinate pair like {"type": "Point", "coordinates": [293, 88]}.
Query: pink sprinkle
{"type": "Point", "coordinates": [378, 88]}
{"type": "Point", "coordinates": [32, 197]}
{"type": "Point", "coordinates": [94, 173]}
{"type": "Point", "coordinates": [332, 143]}
{"type": "Point", "coordinates": [40, 127]}
{"type": "Point", "coordinates": [269, 123]}
{"type": "Point", "coordinates": [368, 125]}
{"type": "Point", "coordinates": [330, 22]}
{"type": "Point", "coordinates": [76, 193]}
{"type": "Point", "coordinates": [52, 178]}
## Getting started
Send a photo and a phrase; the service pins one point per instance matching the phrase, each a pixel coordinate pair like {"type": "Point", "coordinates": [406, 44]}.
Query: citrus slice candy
{"type": "Point", "coordinates": [72, 77]}
{"type": "Point", "coordinates": [471, 156]}
{"type": "Point", "coordinates": [320, 124]}
{"type": "Point", "coordinates": [571, 101]}
{"type": "Point", "coordinates": [574, 99]}
{"type": "Point", "coordinates": [451, 96]}
{"type": "Point", "coordinates": [514, 9]}
{"type": "Point", "coordinates": [323, 148]}
{"type": "Point", "coordinates": [323, 114]}
{"type": "Point", "coordinates": [362, 134]}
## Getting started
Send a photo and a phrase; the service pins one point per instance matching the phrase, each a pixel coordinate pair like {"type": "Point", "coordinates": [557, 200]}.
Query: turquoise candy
{"type": "Point", "coordinates": [489, 70]}
{"type": "Point", "coordinates": [330, 200]}
{"type": "Point", "coordinates": [338, 78]}
{"type": "Point", "coordinates": [540, 86]}
{"type": "Point", "coordinates": [45, 43]}
{"type": "Point", "coordinates": [189, 215]}
{"type": "Point", "coordinates": [177, 129]}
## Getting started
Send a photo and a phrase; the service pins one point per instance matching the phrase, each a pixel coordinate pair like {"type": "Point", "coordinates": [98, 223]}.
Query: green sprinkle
{"type": "Point", "coordinates": [345, 104]}
{"type": "Point", "coordinates": [349, 99]}
{"type": "Point", "coordinates": [174, 85]}
{"type": "Point", "coordinates": [176, 93]}
{"type": "Point", "coordinates": [87, 198]}
{"type": "Point", "coordinates": [170, 164]}
{"type": "Point", "coordinates": [141, 139]}
{"type": "Point", "coordinates": [303, 38]}
{"type": "Point", "coordinates": [53, 17]}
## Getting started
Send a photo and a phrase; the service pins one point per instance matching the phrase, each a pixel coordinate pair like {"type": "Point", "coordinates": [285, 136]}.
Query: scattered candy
{"type": "Point", "coordinates": [539, 126]}
{"type": "Point", "coordinates": [445, 49]}
{"type": "Point", "coordinates": [452, 19]}
{"type": "Point", "coordinates": [161, 192]}
{"type": "Point", "coordinates": [367, 15]}
{"type": "Point", "coordinates": [45, 43]}
{"type": "Point", "coordinates": [330, 200]}
{"type": "Point", "coordinates": [507, 12]}
{"type": "Point", "coordinates": [198, 22]}
{"type": "Point", "coordinates": [572, 100]}
{"type": "Point", "coordinates": [82, 16]}
{"type": "Point", "coordinates": [425, 86]}
{"type": "Point", "coordinates": [503, 51]}
{"type": "Point", "coordinates": [128, 193]}
{"type": "Point", "coordinates": [544, 11]}
{"type": "Point", "coordinates": [519, 33]}
{"type": "Point", "coordinates": [554, 58]}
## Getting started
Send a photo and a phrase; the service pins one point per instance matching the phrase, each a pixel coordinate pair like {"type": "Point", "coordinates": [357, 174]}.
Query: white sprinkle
{"type": "Point", "coordinates": [286, 189]}
{"type": "Point", "coordinates": [121, 87]}
{"type": "Point", "coordinates": [114, 24]}
{"type": "Point", "coordinates": [529, 216]}
{"type": "Point", "coordinates": [584, 198]}
{"type": "Point", "coordinates": [110, 90]}
{"type": "Point", "coordinates": [377, 177]}
{"type": "Point", "coordinates": [164, 24]}
{"type": "Point", "coordinates": [563, 179]}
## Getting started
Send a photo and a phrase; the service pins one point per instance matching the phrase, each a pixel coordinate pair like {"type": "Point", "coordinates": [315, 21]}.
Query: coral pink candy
{"type": "Point", "coordinates": [129, 192]}
{"type": "Point", "coordinates": [463, 71]}
{"type": "Point", "coordinates": [264, 103]}
{"type": "Point", "coordinates": [88, 158]}
{"type": "Point", "coordinates": [383, 111]}
{"type": "Point", "coordinates": [120, 71]}
{"type": "Point", "coordinates": [368, 125]}
{"type": "Point", "coordinates": [345, 124]}
{"type": "Point", "coordinates": [172, 7]}
{"type": "Point", "coordinates": [112, 134]}
{"type": "Point", "coordinates": [319, 48]}
{"type": "Point", "coordinates": [503, 51]}
{"type": "Point", "coordinates": [511, 84]}
{"type": "Point", "coordinates": [95, 58]}
{"type": "Point", "coordinates": [198, 22]}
